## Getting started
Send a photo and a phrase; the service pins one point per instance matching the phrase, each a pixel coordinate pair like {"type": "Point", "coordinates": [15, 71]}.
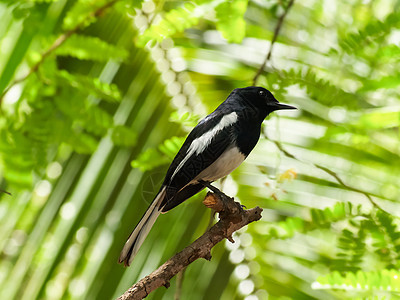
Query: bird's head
{"type": "Point", "coordinates": [262, 99]}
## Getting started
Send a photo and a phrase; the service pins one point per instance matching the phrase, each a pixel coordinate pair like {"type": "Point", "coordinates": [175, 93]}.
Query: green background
{"type": "Point", "coordinates": [98, 96]}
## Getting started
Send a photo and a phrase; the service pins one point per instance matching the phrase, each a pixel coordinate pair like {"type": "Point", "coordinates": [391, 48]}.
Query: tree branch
{"type": "Point", "coordinates": [232, 218]}
{"type": "Point", "coordinates": [5, 192]}
{"type": "Point", "coordinates": [274, 38]}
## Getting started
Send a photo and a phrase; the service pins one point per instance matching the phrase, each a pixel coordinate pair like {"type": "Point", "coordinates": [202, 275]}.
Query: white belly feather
{"type": "Point", "coordinates": [224, 165]}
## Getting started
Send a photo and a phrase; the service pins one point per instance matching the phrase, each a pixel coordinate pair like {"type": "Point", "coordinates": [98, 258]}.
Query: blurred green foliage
{"type": "Point", "coordinates": [98, 96]}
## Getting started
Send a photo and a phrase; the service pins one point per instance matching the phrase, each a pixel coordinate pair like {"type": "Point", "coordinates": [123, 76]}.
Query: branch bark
{"type": "Point", "coordinates": [232, 218]}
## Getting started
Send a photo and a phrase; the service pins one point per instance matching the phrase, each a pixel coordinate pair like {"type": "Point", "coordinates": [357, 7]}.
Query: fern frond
{"type": "Point", "coordinates": [16, 158]}
{"type": "Point", "coordinates": [43, 1]}
{"type": "Point", "coordinates": [84, 115]}
{"type": "Point", "coordinates": [378, 119]}
{"type": "Point", "coordinates": [95, 120]}
{"type": "Point", "coordinates": [317, 88]}
{"type": "Point", "coordinates": [81, 13]}
{"type": "Point", "coordinates": [385, 82]}
{"type": "Point", "coordinates": [352, 248]}
{"type": "Point", "coordinates": [123, 136]}
{"type": "Point", "coordinates": [90, 48]}
{"type": "Point", "coordinates": [319, 219]}
{"type": "Point", "coordinates": [387, 239]}
{"type": "Point", "coordinates": [171, 146]}
{"type": "Point", "coordinates": [373, 32]}
{"type": "Point", "coordinates": [152, 158]}
{"type": "Point", "coordinates": [175, 21]}
{"type": "Point", "coordinates": [186, 119]}
{"type": "Point", "coordinates": [230, 20]}
{"type": "Point", "coordinates": [149, 159]}
{"type": "Point", "coordinates": [81, 142]}
{"type": "Point", "coordinates": [388, 280]}
{"type": "Point", "coordinates": [88, 85]}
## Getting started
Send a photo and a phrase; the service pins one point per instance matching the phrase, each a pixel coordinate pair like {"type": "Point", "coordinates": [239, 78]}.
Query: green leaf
{"type": "Point", "coordinates": [230, 21]}
{"type": "Point", "coordinates": [149, 159]}
{"type": "Point", "coordinates": [81, 142]}
{"type": "Point", "coordinates": [82, 13]}
{"type": "Point", "coordinates": [378, 119]}
{"type": "Point", "coordinates": [165, 152]}
{"type": "Point", "coordinates": [322, 90]}
{"type": "Point", "coordinates": [96, 120]}
{"type": "Point", "coordinates": [186, 119]}
{"type": "Point", "coordinates": [123, 136]}
{"type": "Point", "coordinates": [88, 85]}
{"type": "Point", "coordinates": [175, 21]}
{"type": "Point", "coordinates": [90, 48]}
{"type": "Point", "coordinates": [318, 219]}
{"type": "Point", "coordinates": [171, 146]}
{"type": "Point", "coordinates": [385, 279]}
{"type": "Point", "coordinates": [387, 82]}
{"type": "Point", "coordinates": [373, 31]}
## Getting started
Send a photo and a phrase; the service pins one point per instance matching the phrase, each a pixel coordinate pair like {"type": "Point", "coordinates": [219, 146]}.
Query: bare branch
{"type": "Point", "coordinates": [232, 218]}
{"type": "Point", "coordinates": [274, 38]}
{"type": "Point", "coordinates": [5, 192]}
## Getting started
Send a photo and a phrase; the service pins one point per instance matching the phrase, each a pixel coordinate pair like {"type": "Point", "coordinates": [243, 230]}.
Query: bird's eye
{"type": "Point", "coordinates": [261, 93]}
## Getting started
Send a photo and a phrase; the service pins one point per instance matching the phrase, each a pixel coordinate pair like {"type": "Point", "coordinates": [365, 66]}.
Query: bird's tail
{"type": "Point", "coordinates": [141, 230]}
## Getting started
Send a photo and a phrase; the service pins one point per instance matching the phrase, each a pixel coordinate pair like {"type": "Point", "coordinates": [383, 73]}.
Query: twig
{"type": "Point", "coordinates": [232, 218]}
{"type": "Point", "coordinates": [57, 43]}
{"type": "Point", "coordinates": [331, 173]}
{"type": "Point", "coordinates": [5, 192]}
{"type": "Point", "coordinates": [274, 38]}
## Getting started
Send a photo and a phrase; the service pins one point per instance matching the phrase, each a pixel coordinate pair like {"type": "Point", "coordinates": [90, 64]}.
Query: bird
{"type": "Point", "coordinates": [215, 147]}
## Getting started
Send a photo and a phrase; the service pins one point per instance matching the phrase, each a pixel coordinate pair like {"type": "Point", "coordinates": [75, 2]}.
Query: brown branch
{"type": "Point", "coordinates": [232, 218]}
{"type": "Point", "coordinates": [57, 43]}
{"type": "Point", "coordinates": [5, 192]}
{"type": "Point", "coordinates": [274, 38]}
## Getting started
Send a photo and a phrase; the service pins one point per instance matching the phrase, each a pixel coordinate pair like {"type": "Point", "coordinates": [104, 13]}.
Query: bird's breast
{"type": "Point", "coordinates": [222, 166]}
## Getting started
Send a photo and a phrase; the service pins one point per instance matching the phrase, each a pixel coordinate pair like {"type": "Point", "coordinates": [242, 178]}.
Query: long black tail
{"type": "Point", "coordinates": [141, 230]}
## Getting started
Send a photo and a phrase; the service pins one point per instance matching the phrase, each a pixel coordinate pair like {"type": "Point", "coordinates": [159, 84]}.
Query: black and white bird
{"type": "Point", "coordinates": [213, 149]}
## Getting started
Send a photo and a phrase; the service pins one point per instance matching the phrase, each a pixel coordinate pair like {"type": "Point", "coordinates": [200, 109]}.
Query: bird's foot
{"type": "Point", "coordinates": [226, 203]}
{"type": "Point", "coordinates": [214, 189]}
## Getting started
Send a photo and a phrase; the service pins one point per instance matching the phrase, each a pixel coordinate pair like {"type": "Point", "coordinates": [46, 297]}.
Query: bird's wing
{"type": "Point", "coordinates": [207, 141]}
{"type": "Point", "coordinates": [184, 194]}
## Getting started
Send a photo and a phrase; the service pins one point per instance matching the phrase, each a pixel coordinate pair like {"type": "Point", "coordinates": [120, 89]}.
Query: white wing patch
{"type": "Point", "coordinates": [198, 145]}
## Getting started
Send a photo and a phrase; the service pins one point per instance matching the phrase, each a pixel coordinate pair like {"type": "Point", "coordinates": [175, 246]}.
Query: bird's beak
{"type": "Point", "coordinates": [278, 106]}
